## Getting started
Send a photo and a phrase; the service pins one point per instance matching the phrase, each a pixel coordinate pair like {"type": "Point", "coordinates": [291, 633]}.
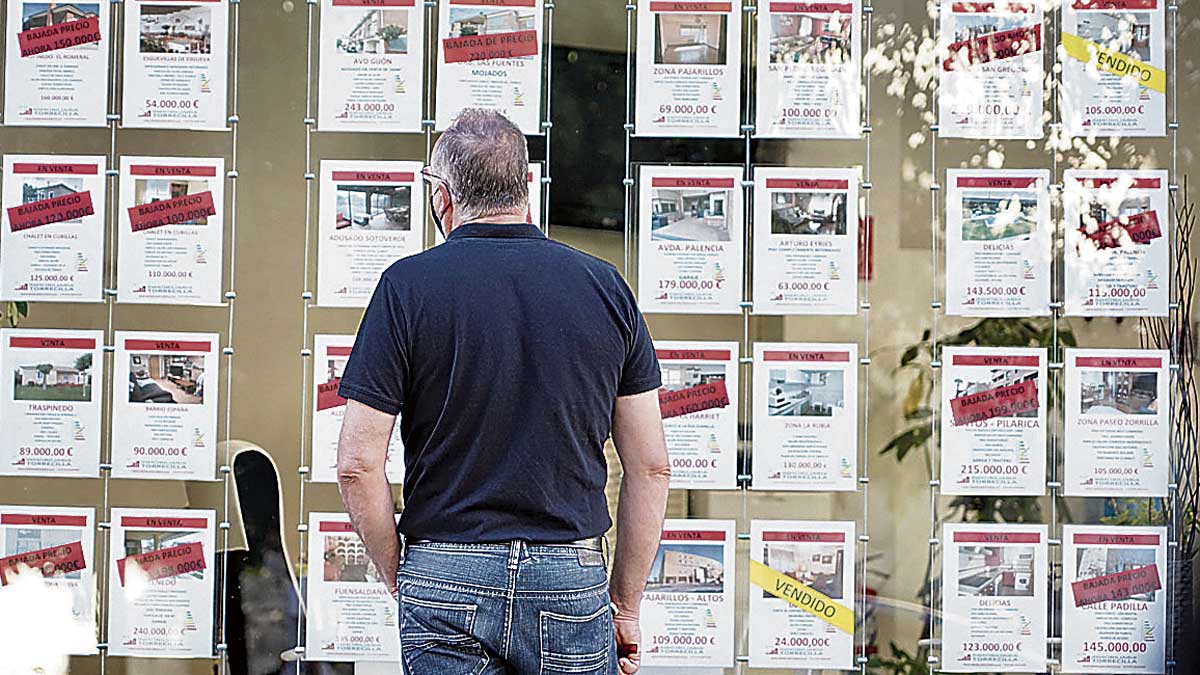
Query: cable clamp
{"type": "Point", "coordinates": [743, 536]}
{"type": "Point", "coordinates": [746, 304]}
{"type": "Point", "coordinates": [749, 9]}
{"type": "Point", "coordinates": [113, 117]}
{"type": "Point", "coordinates": [866, 129]}
{"type": "Point", "coordinates": [303, 471]}
{"type": "Point", "coordinates": [747, 128]}
{"type": "Point", "coordinates": [1055, 365]}
{"type": "Point", "coordinates": [232, 174]}
{"type": "Point", "coordinates": [226, 469]}
{"type": "Point", "coordinates": [1056, 304]}
{"type": "Point", "coordinates": [864, 538]}
{"type": "Point", "coordinates": [862, 660]}
{"type": "Point", "coordinates": [103, 645]}
{"type": "Point", "coordinates": [231, 295]}
{"type": "Point", "coordinates": [547, 124]}
{"type": "Point", "coordinates": [233, 119]}
{"type": "Point", "coordinates": [747, 183]}
{"type": "Point", "coordinates": [868, 9]}
{"type": "Point", "coordinates": [221, 646]}
{"type": "Point", "coordinates": [1173, 126]}
{"type": "Point", "coordinates": [936, 304]}
{"type": "Point", "coordinates": [1054, 542]}
{"type": "Point", "coordinates": [310, 121]}
{"type": "Point", "coordinates": [934, 483]}
{"type": "Point", "coordinates": [934, 541]}
{"type": "Point", "coordinates": [1053, 484]}
{"type": "Point", "coordinates": [936, 363]}
{"type": "Point", "coordinates": [628, 182]}
{"type": "Point", "coordinates": [744, 477]}
{"type": "Point", "coordinates": [1173, 306]}
{"type": "Point", "coordinates": [746, 359]}
{"type": "Point", "coordinates": [310, 176]}
{"type": "Point", "coordinates": [866, 185]}
{"type": "Point", "coordinates": [223, 525]}
{"type": "Point", "coordinates": [864, 361]}
{"type": "Point", "coordinates": [742, 658]}
{"type": "Point", "coordinates": [863, 480]}
{"type": "Point", "coordinates": [106, 467]}
{"type": "Point", "coordinates": [109, 349]}
{"type": "Point", "coordinates": [112, 172]}
{"type": "Point", "coordinates": [103, 525]}
{"type": "Point", "coordinates": [545, 180]}
{"type": "Point", "coordinates": [306, 295]}
{"type": "Point", "coordinates": [935, 128]}
{"type": "Point", "coordinates": [628, 126]}
{"type": "Point", "coordinates": [630, 7]}
{"type": "Point", "coordinates": [305, 353]}
{"type": "Point", "coordinates": [302, 527]}
{"type": "Point", "coordinates": [548, 6]}
{"type": "Point", "coordinates": [934, 187]}
{"type": "Point", "coordinates": [865, 306]}
{"type": "Point", "coordinates": [228, 351]}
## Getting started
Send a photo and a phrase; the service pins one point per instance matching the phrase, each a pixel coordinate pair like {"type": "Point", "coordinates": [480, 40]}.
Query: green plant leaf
{"type": "Point", "coordinates": [914, 437]}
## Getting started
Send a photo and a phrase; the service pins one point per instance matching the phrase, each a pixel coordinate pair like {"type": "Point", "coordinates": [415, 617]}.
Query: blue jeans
{"type": "Point", "coordinates": [504, 608]}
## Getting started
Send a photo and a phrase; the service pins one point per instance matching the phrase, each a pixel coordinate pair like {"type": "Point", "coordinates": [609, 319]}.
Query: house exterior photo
{"type": "Point", "coordinates": [54, 14]}
{"type": "Point", "coordinates": [370, 37]}
{"type": "Point", "coordinates": [487, 23]}
{"type": "Point", "coordinates": [679, 567]}
{"type": "Point", "coordinates": [39, 193]}
{"type": "Point", "coordinates": [59, 376]}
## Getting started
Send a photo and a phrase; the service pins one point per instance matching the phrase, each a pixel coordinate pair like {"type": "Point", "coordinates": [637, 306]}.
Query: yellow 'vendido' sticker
{"type": "Point", "coordinates": [1115, 62]}
{"type": "Point", "coordinates": [810, 600]}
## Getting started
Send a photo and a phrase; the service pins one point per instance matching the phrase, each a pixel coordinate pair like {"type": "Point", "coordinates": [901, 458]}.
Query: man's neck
{"type": "Point", "coordinates": [498, 219]}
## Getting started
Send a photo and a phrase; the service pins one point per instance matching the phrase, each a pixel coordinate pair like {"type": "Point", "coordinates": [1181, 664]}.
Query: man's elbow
{"type": "Point", "coordinates": [352, 470]}
{"type": "Point", "coordinates": [658, 472]}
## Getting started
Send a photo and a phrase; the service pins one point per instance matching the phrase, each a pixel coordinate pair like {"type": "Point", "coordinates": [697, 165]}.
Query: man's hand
{"type": "Point", "coordinates": [629, 637]}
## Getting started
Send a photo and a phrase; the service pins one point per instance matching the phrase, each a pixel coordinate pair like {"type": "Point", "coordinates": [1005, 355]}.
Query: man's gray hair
{"type": "Point", "coordinates": [485, 161]}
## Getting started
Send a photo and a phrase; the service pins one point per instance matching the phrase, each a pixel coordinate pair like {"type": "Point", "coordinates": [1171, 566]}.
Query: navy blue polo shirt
{"type": "Point", "coordinates": [503, 352]}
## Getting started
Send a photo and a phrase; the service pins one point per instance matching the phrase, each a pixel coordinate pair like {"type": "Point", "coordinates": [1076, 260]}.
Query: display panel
{"type": "Point", "coordinates": [330, 354]}
{"type": "Point", "coordinates": [351, 614]}
{"type": "Point", "coordinates": [52, 232]}
{"type": "Point", "coordinates": [368, 219]}
{"type": "Point", "coordinates": [805, 416]}
{"type": "Point", "coordinates": [160, 583]}
{"type": "Point", "coordinates": [176, 64]}
{"type": "Point", "coordinates": [168, 411]}
{"type": "Point", "coordinates": [58, 544]}
{"type": "Point", "coordinates": [56, 63]}
{"type": "Point", "coordinates": [801, 594]}
{"type": "Point", "coordinates": [809, 70]}
{"type": "Point", "coordinates": [688, 69]}
{"type": "Point", "coordinates": [998, 242]}
{"type": "Point", "coordinates": [1117, 427]}
{"type": "Point", "coordinates": [171, 230]}
{"type": "Point", "coordinates": [489, 55]}
{"type": "Point", "coordinates": [994, 598]}
{"type": "Point", "coordinates": [52, 405]}
{"type": "Point", "coordinates": [699, 404]}
{"type": "Point", "coordinates": [690, 239]}
{"type": "Point", "coordinates": [687, 609]}
{"type": "Point", "coordinates": [805, 241]}
{"type": "Point", "coordinates": [991, 76]}
{"type": "Point", "coordinates": [372, 65]}
{"type": "Point", "coordinates": [993, 421]}
{"type": "Point", "coordinates": [1113, 54]}
{"type": "Point", "coordinates": [1116, 247]}
{"type": "Point", "coordinates": [1114, 604]}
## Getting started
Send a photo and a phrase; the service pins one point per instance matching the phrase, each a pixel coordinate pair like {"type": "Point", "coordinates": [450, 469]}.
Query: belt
{"type": "Point", "coordinates": [591, 543]}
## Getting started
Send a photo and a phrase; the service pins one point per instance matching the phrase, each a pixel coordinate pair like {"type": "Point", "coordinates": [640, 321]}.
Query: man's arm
{"type": "Point", "coordinates": [638, 434]}
{"type": "Point", "coordinates": [362, 458]}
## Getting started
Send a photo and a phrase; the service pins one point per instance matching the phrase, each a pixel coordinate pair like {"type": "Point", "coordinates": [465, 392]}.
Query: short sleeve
{"type": "Point", "coordinates": [378, 367]}
{"type": "Point", "coordinates": [641, 372]}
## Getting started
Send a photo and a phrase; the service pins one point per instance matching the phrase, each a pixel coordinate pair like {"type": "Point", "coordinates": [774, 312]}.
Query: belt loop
{"type": "Point", "coordinates": [604, 549]}
{"type": "Point", "coordinates": [403, 546]}
{"type": "Point", "coordinates": [514, 553]}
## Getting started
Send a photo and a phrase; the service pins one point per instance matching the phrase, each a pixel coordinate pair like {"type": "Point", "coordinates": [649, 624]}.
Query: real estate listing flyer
{"type": "Point", "coordinates": [330, 354]}
{"type": "Point", "coordinates": [809, 72]}
{"type": "Point", "coordinates": [535, 195]}
{"type": "Point", "coordinates": [993, 421]}
{"type": "Point", "coordinates": [699, 403]}
{"type": "Point", "coordinates": [160, 583]}
{"type": "Point", "coordinates": [168, 425]}
{"type": "Point", "coordinates": [489, 55]}
{"type": "Point", "coordinates": [1117, 243]}
{"type": "Point", "coordinates": [1114, 601]}
{"type": "Point", "coordinates": [998, 242]}
{"type": "Point", "coordinates": [802, 594]}
{"type": "Point", "coordinates": [52, 237]}
{"type": "Point", "coordinates": [994, 598]}
{"type": "Point", "coordinates": [56, 64]}
{"type": "Point", "coordinates": [805, 416]}
{"type": "Point", "coordinates": [372, 65]}
{"type": "Point", "coordinates": [687, 610]}
{"type": "Point", "coordinates": [689, 69]}
{"type": "Point", "coordinates": [1117, 424]}
{"type": "Point", "coordinates": [175, 64]}
{"type": "Point", "coordinates": [57, 543]}
{"type": "Point", "coordinates": [1113, 56]}
{"type": "Point", "coordinates": [991, 75]}
{"type": "Point", "coordinates": [52, 410]}
{"type": "Point", "coordinates": [690, 239]}
{"type": "Point", "coordinates": [367, 221]}
{"type": "Point", "coordinates": [805, 241]}
{"type": "Point", "coordinates": [171, 230]}
{"type": "Point", "coordinates": [351, 614]}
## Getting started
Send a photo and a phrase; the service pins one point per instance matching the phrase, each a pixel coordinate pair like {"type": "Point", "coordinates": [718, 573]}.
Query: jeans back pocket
{"type": "Point", "coordinates": [436, 637]}
{"type": "Point", "coordinates": [579, 645]}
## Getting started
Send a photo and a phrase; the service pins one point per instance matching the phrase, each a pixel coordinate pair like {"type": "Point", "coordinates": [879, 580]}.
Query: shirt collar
{"type": "Point", "coordinates": [497, 230]}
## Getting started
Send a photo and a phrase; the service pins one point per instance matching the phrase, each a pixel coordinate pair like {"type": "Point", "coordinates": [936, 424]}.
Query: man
{"type": "Point", "coordinates": [509, 359]}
